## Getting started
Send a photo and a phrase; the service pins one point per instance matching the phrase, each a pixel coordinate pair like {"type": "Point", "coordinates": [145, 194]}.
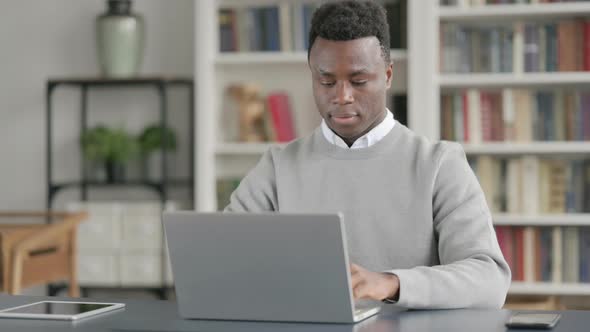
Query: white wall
{"type": "Point", "coordinates": [55, 38]}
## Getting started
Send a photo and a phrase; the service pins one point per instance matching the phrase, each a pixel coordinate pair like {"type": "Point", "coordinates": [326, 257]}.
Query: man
{"type": "Point", "coordinates": [419, 230]}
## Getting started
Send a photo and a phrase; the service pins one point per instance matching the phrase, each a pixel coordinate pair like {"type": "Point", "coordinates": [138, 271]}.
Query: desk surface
{"type": "Point", "coordinates": [162, 316]}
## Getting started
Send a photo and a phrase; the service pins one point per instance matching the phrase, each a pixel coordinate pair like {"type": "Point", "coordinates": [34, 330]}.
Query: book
{"type": "Point", "coordinates": [514, 186]}
{"type": "Point", "coordinates": [518, 48]}
{"type": "Point", "coordinates": [531, 47]}
{"type": "Point", "coordinates": [530, 181]}
{"type": "Point", "coordinates": [227, 30]}
{"type": "Point", "coordinates": [530, 253]}
{"type": "Point", "coordinates": [281, 116]}
{"type": "Point", "coordinates": [556, 255]}
{"type": "Point", "coordinates": [285, 24]}
{"type": "Point", "coordinates": [571, 254]}
{"type": "Point", "coordinates": [508, 115]}
{"type": "Point", "coordinates": [474, 117]}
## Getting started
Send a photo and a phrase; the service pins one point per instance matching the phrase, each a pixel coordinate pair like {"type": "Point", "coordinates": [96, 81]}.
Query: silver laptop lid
{"type": "Point", "coordinates": [278, 267]}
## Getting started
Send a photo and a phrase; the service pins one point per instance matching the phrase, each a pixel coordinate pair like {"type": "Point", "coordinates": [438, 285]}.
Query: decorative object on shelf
{"type": "Point", "coordinates": [111, 147]}
{"type": "Point", "coordinates": [120, 40]}
{"type": "Point", "coordinates": [152, 141]}
{"type": "Point", "coordinates": [250, 104]}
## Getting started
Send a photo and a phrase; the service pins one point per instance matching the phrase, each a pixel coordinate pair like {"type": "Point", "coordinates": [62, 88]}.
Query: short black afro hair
{"type": "Point", "coordinates": [348, 20]}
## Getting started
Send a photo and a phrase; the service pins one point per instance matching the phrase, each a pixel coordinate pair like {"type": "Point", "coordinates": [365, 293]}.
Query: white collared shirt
{"type": "Point", "coordinates": [368, 139]}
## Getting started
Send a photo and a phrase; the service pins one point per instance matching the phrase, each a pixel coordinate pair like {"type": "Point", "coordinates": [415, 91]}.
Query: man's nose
{"type": "Point", "coordinates": [344, 93]}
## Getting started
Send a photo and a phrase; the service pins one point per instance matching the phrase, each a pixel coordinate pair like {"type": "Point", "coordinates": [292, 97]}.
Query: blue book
{"type": "Point", "coordinates": [540, 118]}
{"type": "Point", "coordinates": [307, 15]}
{"type": "Point", "coordinates": [495, 50]}
{"type": "Point", "coordinates": [462, 45]}
{"type": "Point", "coordinates": [256, 42]}
{"type": "Point", "coordinates": [551, 47]}
{"type": "Point", "coordinates": [549, 116]}
{"type": "Point", "coordinates": [578, 185]}
{"type": "Point", "coordinates": [546, 239]}
{"type": "Point", "coordinates": [271, 30]}
{"type": "Point", "coordinates": [584, 254]}
{"type": "Point", "coordinates": [227, 30]}
{"type": "Point", "coordinates": [506, 45]}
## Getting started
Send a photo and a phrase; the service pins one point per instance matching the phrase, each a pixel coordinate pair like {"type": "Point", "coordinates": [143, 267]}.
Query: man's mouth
{"type": "Point", "coordinates": [344, 118]}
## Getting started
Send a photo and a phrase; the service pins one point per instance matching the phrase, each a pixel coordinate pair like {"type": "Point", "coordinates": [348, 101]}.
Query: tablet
{"type": "Point", "coordinates": [61, 310]}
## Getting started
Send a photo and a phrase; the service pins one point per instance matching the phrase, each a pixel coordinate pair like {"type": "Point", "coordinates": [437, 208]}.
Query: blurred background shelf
{"type": "Point", "coordinates": [501, 80]}
{"type": "Point", "coordinates": [565, 219]}
{"type": "Point", "coordinates": [240, 58]}
{"type": "Point", "coordinates": [244, 148]}
{"type": "Point", "coordinates": [548, 288]}
{"type": "Point", "coordinates": [499, 12]}
{"type": "Point", "coordinates": [515, 148]}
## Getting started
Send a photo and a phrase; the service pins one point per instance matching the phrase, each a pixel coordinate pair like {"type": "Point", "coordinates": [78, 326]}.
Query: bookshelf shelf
{"type": "Point", "coordinates": [243, 148]}
{"type": "Point", "coordinates": [548, 288]}
{"type": "Point", "coordinates": [570, 219]}
{"type": "Point", "coordinates": [498, 80]}
{"type": "Point", "coordinates": [513, 12]}
{"type": "Point", "coordinates": [535, 148]}
{"type": "Point", "coordinates": [237, 58]}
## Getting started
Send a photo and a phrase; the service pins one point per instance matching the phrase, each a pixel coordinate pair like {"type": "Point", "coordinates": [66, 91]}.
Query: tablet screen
{"type": "Point", "coordinates": [57, 308]}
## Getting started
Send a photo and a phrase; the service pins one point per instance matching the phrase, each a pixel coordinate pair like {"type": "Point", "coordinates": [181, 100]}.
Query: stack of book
{"type": "Point", "coordinates": [546, 254]}
{"type": "Point", "coordinates": [520, 115]}
{"type": "Point", "coordinates": [529, 185]}
{"type": "Point", "coordinates": [562, 46]}
{"type": "Point", "coordinates": [285, 27]}
{"type": "Point", "coordinates": [475, 3]}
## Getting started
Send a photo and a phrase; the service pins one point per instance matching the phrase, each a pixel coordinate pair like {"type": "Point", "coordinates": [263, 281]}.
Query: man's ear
{"type": "Point", "coordinates": [389, 74]}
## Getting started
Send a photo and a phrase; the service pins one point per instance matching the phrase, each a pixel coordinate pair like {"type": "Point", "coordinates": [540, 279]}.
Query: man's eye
{"type": "Point", "coordinates": [359, 82]}
{"type": "Point", "coordinates": [327, 83]}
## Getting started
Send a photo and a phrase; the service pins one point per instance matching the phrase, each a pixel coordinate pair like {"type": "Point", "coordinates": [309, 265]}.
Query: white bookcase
{"type": "Point", "coordinates": [424, 76]}
{"type": "Point", "coordinates": [217, 157]}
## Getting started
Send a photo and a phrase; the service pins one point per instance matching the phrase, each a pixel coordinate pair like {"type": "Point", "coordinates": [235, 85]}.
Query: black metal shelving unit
{"type": "Point", "coordinates": [161, 84]}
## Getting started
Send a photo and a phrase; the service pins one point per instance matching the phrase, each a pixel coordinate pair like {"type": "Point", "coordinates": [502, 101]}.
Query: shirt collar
{"type": "Point", "coordinates": [368, 139]}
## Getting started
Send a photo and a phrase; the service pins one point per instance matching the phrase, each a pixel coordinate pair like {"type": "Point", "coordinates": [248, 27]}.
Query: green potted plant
{"type": "Point", "coordinates": [113, 148]}
{"type": "Point", "coordinates": [153, 139]}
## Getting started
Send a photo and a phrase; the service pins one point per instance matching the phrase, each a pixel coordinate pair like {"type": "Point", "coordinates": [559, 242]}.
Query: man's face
{"type": "Point", "coordinates": [350, 81]}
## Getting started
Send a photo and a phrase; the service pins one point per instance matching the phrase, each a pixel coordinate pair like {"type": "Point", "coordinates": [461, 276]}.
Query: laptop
{"type": "Point", "coordinates": [261, 267]}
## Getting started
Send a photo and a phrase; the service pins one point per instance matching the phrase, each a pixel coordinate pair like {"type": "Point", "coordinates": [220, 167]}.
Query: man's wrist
{"type": "Point", "coordinates": [393, 294]}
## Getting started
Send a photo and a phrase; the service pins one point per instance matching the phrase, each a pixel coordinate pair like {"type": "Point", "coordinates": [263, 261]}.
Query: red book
{"type": "Point", "coordinates": [486, 116]}
{"type": "Point", "coordinates": [465, 118]}
{"type": "Point", "coordinates": [506, 241]}
{"type": "Point", "coordinates": [497, 117]}
{"type": "Point", "coordinates": [280, 113]}
{"type": "Point", "coordinates": [518, 272]}
{"type": "Point", "coordinates": [587, 45]}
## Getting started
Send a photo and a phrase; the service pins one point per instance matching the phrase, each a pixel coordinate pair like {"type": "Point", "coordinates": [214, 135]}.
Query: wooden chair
{"type": "Point", "coordinates": [36, 254]}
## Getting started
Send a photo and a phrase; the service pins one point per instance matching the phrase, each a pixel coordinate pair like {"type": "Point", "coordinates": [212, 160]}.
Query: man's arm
{"type": "Point", "coordinates": [473, 272]}
{"type": "Point", "coordinates": [257, 191]}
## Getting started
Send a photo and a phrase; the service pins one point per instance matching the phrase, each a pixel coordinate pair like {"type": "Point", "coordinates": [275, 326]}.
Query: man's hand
{"type": "Point", "coordinates": [373, 285]}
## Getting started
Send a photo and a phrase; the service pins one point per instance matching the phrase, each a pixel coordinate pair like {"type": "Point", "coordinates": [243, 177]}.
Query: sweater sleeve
{"type": "Point", "coordinates": [472, 270]}
{"type": "Point", "coordinates": [257, 190]}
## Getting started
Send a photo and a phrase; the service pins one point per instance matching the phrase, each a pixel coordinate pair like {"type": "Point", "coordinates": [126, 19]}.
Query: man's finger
{"type": "Point", "coordinates": [355, 279]}
{"type": "Point", "coordinates": [360, 291]}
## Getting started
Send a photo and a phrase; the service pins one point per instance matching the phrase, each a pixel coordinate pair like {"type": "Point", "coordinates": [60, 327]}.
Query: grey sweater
{"type": "Point", "coordinates": [411, 207]}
